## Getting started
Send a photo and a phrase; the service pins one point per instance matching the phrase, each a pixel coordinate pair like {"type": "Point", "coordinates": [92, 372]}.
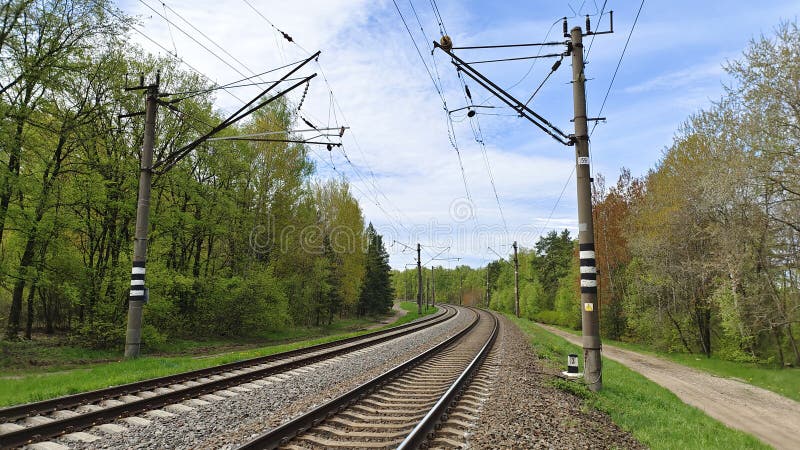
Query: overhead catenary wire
{"type": "Point", "coordinates": [371, 185]}
{"type": "Point", "coordinates": [476, 129]}
{"type": "Point", "coordinates": [538, 44]}
{"type": "Point", "coordinates": [214, 54]}
{"type": "Point", "coordinates": [552, 71]}
{"type": "Point", "coordinates": [367, 196]}
{"type": "Point", "coordinates": [451, 130]}
{"type": "Point", "coordinates": [226, 52]}
{"type": "Point", "coordinates": [517, 58]}
{"type": "Point", "coordinates": [619, 63]}
{"type": "Point", "coordinates": [588, 50]}
{"type": "Point", "coordinates": [168, 52]}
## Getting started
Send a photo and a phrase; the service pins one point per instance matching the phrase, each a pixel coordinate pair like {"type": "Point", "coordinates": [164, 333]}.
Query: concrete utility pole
{"type": "Point", "coordinates": [138, 292]}
{"type": "Point", "coordinates": [592, 364]}
{"type": "Point", "coordinates": [516, 281]}
{"type": "Point", "coordinates": [419, 279]}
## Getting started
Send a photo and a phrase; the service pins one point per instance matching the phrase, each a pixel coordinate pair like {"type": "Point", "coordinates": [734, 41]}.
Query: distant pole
{"type": "Point", "coordinates": [592, 364]}
{"type": "Point", "coordinates": [419, 279]}
{"type": "Point", "coordinates": [137, 297]}
{"type": "Point", "coordinates": [516, 281]}
{"type": "Point", "coordinates": [433, 283]}
{"type": "Point", "coordinates": [427, 292]}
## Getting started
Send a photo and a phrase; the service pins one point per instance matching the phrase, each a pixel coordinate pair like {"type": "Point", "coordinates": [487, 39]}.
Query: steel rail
{"type": "Point", "coordinates": [58, 427]}
{"type": "Point", "coordinates": [282, 434]}
{"type": "Point", "coordinates": [438, 412]}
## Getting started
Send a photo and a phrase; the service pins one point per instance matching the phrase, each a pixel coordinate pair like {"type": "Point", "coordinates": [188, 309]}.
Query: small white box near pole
{"type": "Point", "coordinates": [572, 367]}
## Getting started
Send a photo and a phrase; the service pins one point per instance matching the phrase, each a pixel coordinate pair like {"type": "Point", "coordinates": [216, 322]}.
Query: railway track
{"type": "Point", "coordinates": [34, 422]}
{"type": "Point", "coordinates": [401, 408]}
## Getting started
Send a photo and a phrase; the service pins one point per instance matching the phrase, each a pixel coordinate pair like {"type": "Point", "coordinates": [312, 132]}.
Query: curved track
{"type": "Point", "coordinates": [38, 421]}
{"type": "Point", "coordinates": [399, 409]}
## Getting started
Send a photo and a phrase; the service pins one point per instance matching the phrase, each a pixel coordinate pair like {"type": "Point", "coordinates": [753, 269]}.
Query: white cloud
{"type": "Point", "coordinates": [707, 72]}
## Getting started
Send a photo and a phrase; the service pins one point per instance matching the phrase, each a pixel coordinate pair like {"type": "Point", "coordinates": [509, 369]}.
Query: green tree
{"type": "Point", "coordinates": [377, 294]}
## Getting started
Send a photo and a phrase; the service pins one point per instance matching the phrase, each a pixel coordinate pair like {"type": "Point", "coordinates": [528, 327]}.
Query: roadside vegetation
{"type": "Point", "coordinates": [80, 370]}
{"type": "Point", "coordinates": [654, 415]}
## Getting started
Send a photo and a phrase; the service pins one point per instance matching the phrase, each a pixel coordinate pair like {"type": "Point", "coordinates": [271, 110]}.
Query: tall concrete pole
{"type": "Point", "coordinates": [592, 364]}
{"type": "Point", "coordinates": [419, 279]}
{"type": "Point", "coordinates": [138, 292]}
{"type": "Point", "coordinates": [516, 281]}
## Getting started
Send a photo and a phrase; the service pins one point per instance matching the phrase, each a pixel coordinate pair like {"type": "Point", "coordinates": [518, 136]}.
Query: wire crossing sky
{"type": "Point", "coordinates": [408, 110]}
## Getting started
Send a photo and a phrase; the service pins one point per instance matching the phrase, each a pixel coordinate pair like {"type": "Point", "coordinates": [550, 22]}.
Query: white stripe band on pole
{"type": "Point", "coordinates": [137, 270]}
{"type": "Point", "coordinates": [137, 282]}
{"type": "Point", "coordinates": [588, 269]}
{"type": "Point", "coordinates": [136, 293]}
{"type": "Point", "coordinates": [588, 283]}
{"type": "Point", "coordinates": [587, 254]}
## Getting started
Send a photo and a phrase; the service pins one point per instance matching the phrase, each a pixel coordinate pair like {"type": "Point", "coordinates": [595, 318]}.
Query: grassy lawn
{"type": "Point", "coordinates": [783, 381]}
{"type": "Point", "coordinates": [34, 384]}
{"type": "Point", "coordinates": [654, 415]}
{"type": "Point", "coordinates": [411, 312]}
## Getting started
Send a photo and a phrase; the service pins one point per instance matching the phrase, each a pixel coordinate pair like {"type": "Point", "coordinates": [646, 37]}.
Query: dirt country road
{"type": "Point", "coordinates": [770, 417]}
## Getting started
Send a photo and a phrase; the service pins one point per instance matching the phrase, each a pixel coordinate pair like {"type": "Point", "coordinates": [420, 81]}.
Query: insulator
{"type": "Point", "coordinates": [303, 98]}
{"type": "Point", "coordinates": [588, 25]}
{"type": "Point", "coordinates": [556, 65]}
{"type": "Point", "coordinates": [565, 27]}
{"type": "Point", "coordinates": [471, 113]}
{"type": "Point", "coordinates": [469, 95]}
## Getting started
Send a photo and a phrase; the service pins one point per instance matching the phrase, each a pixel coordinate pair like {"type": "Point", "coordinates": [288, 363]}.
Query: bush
{"type": "Point", "coordinates": [152, 338]}
{"type": "Point", "coordinates": [98, 335]}
{"type": "Point", "coordinates": [561, 318]}
{"type": "Point", "coordinates": [242, 306]}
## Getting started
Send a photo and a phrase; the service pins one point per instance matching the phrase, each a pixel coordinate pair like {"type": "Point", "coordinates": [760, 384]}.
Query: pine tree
{"type": "Point", "coordinates": [376, 291]}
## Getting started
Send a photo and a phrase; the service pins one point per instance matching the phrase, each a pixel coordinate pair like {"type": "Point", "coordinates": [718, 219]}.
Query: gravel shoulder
{"type": "Point", "coordinates": [770, 417]}
{"type": "Point", "coordinates": [525, 411]}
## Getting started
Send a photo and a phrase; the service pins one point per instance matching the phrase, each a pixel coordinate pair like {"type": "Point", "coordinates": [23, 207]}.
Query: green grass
{"type": "Point", "coordinates": [412, 314]}
{"type": "Point", "coordinates": [654, 415]}
{"type": "Point", "coordinates": [784, 381]}
{"type": "Point", "coordinates": [34, 385]}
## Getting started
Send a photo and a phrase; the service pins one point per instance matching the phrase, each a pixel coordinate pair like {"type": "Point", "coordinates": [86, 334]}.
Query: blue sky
{"type": "Point", "coordinates": [403, 167]}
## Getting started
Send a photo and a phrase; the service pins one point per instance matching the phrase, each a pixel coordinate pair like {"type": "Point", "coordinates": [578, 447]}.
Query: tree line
{"type": "Point", "coordinates": [702, 253]}
{"type": "Point", "coordinates": [243, 238]}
